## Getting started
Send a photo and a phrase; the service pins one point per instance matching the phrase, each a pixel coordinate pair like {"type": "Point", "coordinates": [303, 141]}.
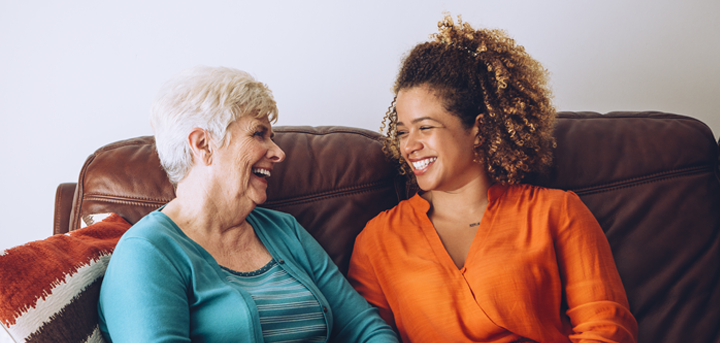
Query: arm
{"type": "Point", "coordinates": [363, 278]}
{"type": "Point", "coordinates": [597, 304]}
{"type": "Point", "coordinates": [354, 319]}
{"type": "Point", "coordinates": [143, 296]}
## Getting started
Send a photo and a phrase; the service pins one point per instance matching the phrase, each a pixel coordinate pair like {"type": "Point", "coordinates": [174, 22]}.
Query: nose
{"type": "Point", "coordinates": [410, 143]}
{"type": "Point", "coordinates": [274, 153]}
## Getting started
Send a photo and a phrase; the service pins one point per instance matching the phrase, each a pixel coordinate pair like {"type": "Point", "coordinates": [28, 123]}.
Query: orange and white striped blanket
{"type": "Point", "coordinates": [49, 288]}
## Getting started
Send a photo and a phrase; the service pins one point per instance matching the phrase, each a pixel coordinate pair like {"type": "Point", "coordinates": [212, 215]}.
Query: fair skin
{"type": "Point", "coordinates": [439, 150]}
{"type": "Point", "coordinates": [223, 186]}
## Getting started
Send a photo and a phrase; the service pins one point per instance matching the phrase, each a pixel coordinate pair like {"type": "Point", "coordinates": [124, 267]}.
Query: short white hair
{"type": "Point", "coordinates": [207, 98]}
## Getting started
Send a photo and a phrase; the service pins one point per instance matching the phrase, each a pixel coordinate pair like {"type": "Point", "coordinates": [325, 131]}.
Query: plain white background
{"type": "Point", "coordinates": [76, 75]}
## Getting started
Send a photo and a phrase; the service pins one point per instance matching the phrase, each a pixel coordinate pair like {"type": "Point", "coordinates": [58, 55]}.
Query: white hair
{"type": "Point", "coordinates": [207, 98]}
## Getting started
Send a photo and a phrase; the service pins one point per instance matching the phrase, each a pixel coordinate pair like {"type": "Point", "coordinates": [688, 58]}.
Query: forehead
{"type": "Point", "coordinates": [252, 121]}
{"type": "Point", "coordinates": [419, 103]}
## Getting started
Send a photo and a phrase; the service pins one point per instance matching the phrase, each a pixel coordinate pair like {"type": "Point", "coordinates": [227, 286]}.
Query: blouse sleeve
{"type": "Point", "coordinates": [363, 278]}
{"type": "Point", "coordinates": [597, 303]}
{"type": "Point", "coordinates": [354, 319]}
{"type": "Point", "coordinates": [143, 297]}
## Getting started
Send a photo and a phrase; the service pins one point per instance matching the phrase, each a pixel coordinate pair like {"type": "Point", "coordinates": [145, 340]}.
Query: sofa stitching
{"type": "Point", "coordinates": [104, 195]}
{"type": "Point", "coordinates": [147, 203]}
{"type": "Point", "coordinates": [327, 195]}
{"type": "Point", "coordinates": [140, 141]}
{"type": "Point", "coordinates": [673, 174]}
{"type": "Point", "coordinates": [56, 214]}
{"type": "Point", "coordinates": [75, 214]}
{"type": "Point", "coordinates": [331, 131]}
{"type": "Point", "coordinates": [360, 187]}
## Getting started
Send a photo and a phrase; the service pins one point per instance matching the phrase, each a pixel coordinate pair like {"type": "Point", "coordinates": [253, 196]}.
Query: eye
{"type": "Point", "coordinates": [259, 133]}
{"type": "Point", "coordinates": [423, 128]}
{"type": "Point", "coordinates": [401, 133]}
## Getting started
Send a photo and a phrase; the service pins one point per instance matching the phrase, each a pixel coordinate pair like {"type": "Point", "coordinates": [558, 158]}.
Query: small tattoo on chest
{"type": "Point", "coordinates": [474, 224]}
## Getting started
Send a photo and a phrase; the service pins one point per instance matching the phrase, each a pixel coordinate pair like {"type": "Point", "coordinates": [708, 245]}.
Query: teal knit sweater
{"type": "Point", "coordinates": [161, 286]}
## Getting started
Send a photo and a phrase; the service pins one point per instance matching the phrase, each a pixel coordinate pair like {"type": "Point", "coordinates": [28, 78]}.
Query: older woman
{"type": "Point", "coordinates": [477, 256]}
{"type": "Point", "coordinates": [210, 265]}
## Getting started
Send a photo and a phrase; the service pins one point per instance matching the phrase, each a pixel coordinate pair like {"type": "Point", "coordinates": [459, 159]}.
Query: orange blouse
{"type": "Point", "coordinates": [539, 268]}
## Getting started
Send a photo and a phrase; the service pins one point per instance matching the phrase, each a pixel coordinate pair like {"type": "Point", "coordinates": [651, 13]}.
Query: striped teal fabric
{"type": "Point", "coordinates": [288, 311]}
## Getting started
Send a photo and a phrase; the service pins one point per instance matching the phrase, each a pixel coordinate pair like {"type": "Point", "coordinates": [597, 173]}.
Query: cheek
{"type": "Point", "coordinates": [241, 164]}
{"type": "Point", "coordinates": [246, 159]}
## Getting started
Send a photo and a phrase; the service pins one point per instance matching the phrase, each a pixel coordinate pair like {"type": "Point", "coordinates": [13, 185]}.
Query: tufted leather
{"type": "Point", "coordinates": [650, 179]}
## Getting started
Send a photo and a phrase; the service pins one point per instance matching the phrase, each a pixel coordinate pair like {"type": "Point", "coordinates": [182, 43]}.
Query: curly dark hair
{"type": "Point", "coordinates": [483, 72]}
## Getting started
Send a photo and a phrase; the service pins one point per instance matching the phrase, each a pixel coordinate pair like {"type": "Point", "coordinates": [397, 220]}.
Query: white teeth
{"type": "Point", "coordinates": [261, 171]}
{"type": "Point", "coordinates": [424, 163]}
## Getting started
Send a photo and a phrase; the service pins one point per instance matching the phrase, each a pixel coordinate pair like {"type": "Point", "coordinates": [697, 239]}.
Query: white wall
{"type": "Point", "coordinates": [75, 75]}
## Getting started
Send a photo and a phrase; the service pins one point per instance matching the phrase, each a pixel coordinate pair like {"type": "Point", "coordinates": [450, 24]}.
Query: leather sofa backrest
{"type": "Point", "coordinates": [651, 181]}
{"type": "Point", "coordinates": [649, 178]}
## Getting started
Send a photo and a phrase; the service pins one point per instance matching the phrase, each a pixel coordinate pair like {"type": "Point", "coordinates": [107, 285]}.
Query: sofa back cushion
{"type": "Point", "coordinates": [649, 178]}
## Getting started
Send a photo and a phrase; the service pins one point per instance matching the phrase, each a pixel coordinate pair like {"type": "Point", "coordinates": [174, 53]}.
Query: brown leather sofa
{"type": "Point", "coordinates": [650, 178]}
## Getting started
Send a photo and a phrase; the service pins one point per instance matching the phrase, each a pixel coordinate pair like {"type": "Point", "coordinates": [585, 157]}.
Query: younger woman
{"type": "Point", "coordinates": [477, 256]}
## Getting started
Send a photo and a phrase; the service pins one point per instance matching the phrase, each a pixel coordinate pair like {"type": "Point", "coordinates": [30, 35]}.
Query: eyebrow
{"type": "Point", "coordinates": [419, 119]}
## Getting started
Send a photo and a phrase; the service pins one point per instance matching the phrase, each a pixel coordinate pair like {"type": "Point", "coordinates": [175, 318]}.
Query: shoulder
{"type": "Point", "coordinates": [560, 207]}
{"type": "Point", "coordinates": [154, 247]}
{"type": "Point", "coordinates": [399, 224]}
{"type": "Point", "coordinates": [536, 192]}
{"type": "Point", "coordinates": [264, 219]}
{"type": "Point", "coordinates": [538, 202]}
{"type": "Point", "coordinates": [155, 228]}
{"type": "Point", "coordinates": [406, 213]}
{"type": "Point", "coordinates": [271, 216]}
{"type": "Point", "coordinates": [157, 238]}
{"type": "Point", "coordinates": [537, 196]}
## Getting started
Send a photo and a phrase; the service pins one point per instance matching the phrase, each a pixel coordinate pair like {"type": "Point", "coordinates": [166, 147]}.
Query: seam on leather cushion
{"type": "Point", "coordinates": [124, 197]}
{"type": "Point", "coordinates": [126, 201]}
{"type": "Point", "coordinates": [331, 194]}
{"type": "Point", "coordinates": [643, 180]}
{"type": "Point", "coordinates": [370, 134]}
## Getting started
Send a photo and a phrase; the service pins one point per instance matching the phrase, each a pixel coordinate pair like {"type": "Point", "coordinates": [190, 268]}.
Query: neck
{"type": "Point", "coordinates": [199, 209]}
{"type": "Point", "coordinates": [464, 202]}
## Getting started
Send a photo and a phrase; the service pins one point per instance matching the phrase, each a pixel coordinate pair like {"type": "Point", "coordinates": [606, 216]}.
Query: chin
{"type": "Point", "coordinates": [257, 195]}
{"type": "Point", "coordinates": [259, 200]}
{"type": "Point", "coordinates": [424, 186]}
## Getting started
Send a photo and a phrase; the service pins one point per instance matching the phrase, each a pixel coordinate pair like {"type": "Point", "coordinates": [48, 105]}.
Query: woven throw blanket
{"type": "Point", "coordinates": [50, 287]}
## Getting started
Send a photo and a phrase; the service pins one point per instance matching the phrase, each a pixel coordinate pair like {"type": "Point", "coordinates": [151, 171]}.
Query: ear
{"type": "Point", "coordinates": [476, 129]}
{"type": "Point", "coordinates": [200, 145]}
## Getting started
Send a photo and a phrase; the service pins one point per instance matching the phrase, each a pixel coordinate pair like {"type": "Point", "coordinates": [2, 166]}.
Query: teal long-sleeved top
{"type": "Point", "coordinates": [161, 286]}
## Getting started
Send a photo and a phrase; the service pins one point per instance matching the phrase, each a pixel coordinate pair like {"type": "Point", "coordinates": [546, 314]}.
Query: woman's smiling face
{"type": "Point", "coordinates": [434, 142]}
{"type": "Point", "coordinates": [246, 159]}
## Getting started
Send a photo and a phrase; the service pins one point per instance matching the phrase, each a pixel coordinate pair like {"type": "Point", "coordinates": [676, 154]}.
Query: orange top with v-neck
{"type": "Point", "coordinates": [539, 268]}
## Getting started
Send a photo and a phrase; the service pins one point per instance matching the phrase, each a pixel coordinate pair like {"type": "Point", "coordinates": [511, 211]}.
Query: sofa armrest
{"type": "Point", "coordinates": [63, 204]}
